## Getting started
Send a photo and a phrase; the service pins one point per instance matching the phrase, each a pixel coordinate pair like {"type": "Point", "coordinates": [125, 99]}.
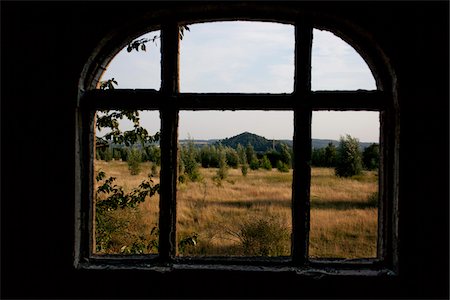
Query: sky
{"type": "Point", "coordinates": [251, 57]}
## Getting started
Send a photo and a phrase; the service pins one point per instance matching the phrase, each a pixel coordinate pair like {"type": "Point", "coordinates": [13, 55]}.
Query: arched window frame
{"type": "Point", "coordinates": [169, 101]}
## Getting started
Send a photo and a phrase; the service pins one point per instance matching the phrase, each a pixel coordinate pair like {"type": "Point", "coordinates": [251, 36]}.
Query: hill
{"type": "Point", "coordinates": [261, 144]}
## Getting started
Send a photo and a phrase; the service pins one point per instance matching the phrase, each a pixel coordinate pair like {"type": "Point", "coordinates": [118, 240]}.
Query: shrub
{"type": "Point", "coordinates": [134, 161]}
{"type": "Point", "coordinates": [348, 162]}
{"type": "Point", "coordinates": [264, 237]}
{"type": "Point", "coordinates": [222, 172]}
{"type": "Point", "coordinates": [265, 163]}
{"type": "Point", "coordinates": [188, 155]}
{"type": "Point", "coordinates": [282, 167]}
{"type": "Point", "coordinates": [232, 157]}
{"type": "Point", "coordinates": [244, 169]}
{"type": "Point", "coordinates": [107, 154]}
{"type": "Point", "coordinates": [371, 157]}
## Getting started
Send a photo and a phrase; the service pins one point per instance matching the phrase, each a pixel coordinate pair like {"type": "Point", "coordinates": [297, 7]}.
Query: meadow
{"type": "Point", "coordinates": [251, 215]}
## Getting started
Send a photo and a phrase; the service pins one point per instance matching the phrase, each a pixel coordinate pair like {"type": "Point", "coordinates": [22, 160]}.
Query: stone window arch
{"type": "Point", "coordinates": [168, 100]}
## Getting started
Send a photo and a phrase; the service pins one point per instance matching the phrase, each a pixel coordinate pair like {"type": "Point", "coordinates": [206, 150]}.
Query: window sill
{"type": "Point", "coordinates": [315, 269]}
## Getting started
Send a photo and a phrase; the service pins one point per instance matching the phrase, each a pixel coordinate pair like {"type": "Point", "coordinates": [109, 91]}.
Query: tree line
{"type": "Point", "coordinates": [347, 158]}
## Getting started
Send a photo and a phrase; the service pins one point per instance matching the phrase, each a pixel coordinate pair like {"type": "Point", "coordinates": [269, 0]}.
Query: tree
{"type": "Point", "coordinates": [251, 157]}
{"type": "Point", "coordinates": [189, 155]}
{"type": "Point", "coordinates": [371, 157]}
{"type": "Point", "coordinates": [134, 160]}
{"type": "Point", "coordinates": [330, 155]}
{"type": "Point", "coordinates": [265, 163]}
{"type": "Point", "coordinates": [349, 158]}
{"type": "Point", "coordinates": [222, 171]}
{"type": "Point", "coordinates": [286, 157]}
{"type": "Point", "coordinates": [232, 157]}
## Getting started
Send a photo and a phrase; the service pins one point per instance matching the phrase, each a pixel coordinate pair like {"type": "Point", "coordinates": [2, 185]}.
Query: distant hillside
{"type": "Point", "coordinates": [261, 144]}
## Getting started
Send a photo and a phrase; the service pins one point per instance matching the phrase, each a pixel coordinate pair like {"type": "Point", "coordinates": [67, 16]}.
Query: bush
{"type": "Point", "coordinates": [188, 156]}
{"type": "Point", "coordinates": [134, 161]}
{"type": "Point", "coordinates": [371, 157]}
{"type": "Point", "coordinates": [349, 161]}
{"type": "Point", "coordinates": [107, 154]}
{"type": "Point", "coordinates": [264, 237]}
{"type": "Point", "coordinates": [265, 163]}
{"type": "Point", "coordinates": [244, 169]}
{"type": "Point", "coordinates": [282, 167]}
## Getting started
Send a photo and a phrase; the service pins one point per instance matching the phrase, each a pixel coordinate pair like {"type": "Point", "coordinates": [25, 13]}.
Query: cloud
{"type": "Point", "coordinates": [337, 66]}
{"type": "Point", "coordinates": [235, 57]}
{"type": "Point", "coordinates": [252, 57]}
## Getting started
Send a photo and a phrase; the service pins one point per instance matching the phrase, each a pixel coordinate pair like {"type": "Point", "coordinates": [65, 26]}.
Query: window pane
{"type": "Point", "coordinates": [235, 178]}
{"type": "Point", "coordinates": [124, 222]}
{"type": "Point", "coordinates": [337, 66]}
{"type": "Point", "coordinates": [137, 69]}
{"type": "Point", "coordinates": [246, 57]}
{"type": "Point", "coordinates": [344, 185]}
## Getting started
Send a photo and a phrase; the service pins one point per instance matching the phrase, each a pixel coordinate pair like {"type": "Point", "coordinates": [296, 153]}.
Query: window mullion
{"type": "Point", "coordinates": [168, 142]}
{"type": "Point", "coordinates": [302, 144]}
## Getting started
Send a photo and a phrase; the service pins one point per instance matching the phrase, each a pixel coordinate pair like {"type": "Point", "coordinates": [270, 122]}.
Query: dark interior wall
{"type": "Point", "coordinates": [44, 47]}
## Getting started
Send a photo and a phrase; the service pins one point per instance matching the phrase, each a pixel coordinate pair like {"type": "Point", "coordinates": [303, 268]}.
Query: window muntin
{"type": "Point", "coordinates": [346, 100]}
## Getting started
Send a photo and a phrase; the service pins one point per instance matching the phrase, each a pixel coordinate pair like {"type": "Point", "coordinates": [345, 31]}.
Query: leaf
{"type": "Point", "coordinates": [143, 48]}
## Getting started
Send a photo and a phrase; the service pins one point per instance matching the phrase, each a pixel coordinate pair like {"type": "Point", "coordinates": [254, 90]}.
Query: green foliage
{"type": "Point", "coordinates": [244, 169]}
{"type": "Point", "coordinates": [264, 237]}
{"type": "Point", "coordinates": [265, 163]}
{"type": "Point", "coordinates": [324, 157]}
{"type": "Point", "coordinates": [154, 170]}
{"type": "Point", "coordinates": [241, 154]}
{"type": "Point", "coordinates": [252, 159]}
{"type": "Point", "coordinates": [139, 44]}
{"type": "Point", "coordinates": [349, 161]}
{"type": "Point", "coordinates": [282, 167]}
{"type": "Point", "coordinates": [110, 119]}
{"type": "Point", "coordinates": [222, 171]}
{"type": "Point", "coordinates": [189, 154]}
{"type": "Point", "coordinates": [107, 154]}
{"type": "Point", "coordinates": [116, 195]}
{"type": "Point", "coordinates": [209, 157]}
{"type": "Point", "coordinates": [273, 157]}
{"type": "Point", "coordinates": [232, 157]}
{"type": "Point", "coordinates": [108, 84]}
{"type": "Point", "coordinates": [285, 154]}
{"type": "Point", "coordinates": [134, 160]}
{"type": "Point", "coordinates": [106, 224]}
{"type": "Point", "coordinates": [153, 154]}
{"type": "Point", "coordinates": [371, 157]}
{"type": "Point", "coordinates": [330, 155]}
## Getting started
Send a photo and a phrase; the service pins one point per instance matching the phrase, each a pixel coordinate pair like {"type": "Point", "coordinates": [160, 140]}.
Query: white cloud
{"type": "Point", "coordinates": [252, 57]}
{"type": "Point", "coordinates": [234, 56]}
{"type": "Point", "coordinates": [337, 66]}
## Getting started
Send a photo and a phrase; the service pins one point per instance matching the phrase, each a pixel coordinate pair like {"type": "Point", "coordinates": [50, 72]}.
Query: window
{"type": "Point", "coordinates": [302, 101]}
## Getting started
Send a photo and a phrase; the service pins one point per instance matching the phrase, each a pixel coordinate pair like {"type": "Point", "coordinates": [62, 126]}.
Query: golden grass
{"type": "Point", "coordinates": [343, 222]}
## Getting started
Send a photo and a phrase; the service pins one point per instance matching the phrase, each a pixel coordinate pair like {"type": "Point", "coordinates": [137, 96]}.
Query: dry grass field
{"type": "Point", "coordinates": [252, 215]}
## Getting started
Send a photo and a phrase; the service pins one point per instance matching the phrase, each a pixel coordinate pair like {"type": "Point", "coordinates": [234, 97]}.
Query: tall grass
{"type": "Point", "coordinates": [242, 213]}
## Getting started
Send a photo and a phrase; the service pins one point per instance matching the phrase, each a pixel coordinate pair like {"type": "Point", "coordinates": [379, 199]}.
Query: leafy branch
{"type": "Point", "coordinates": [117, 198]}
{"type": "Point", "coordinates": [139, 44]}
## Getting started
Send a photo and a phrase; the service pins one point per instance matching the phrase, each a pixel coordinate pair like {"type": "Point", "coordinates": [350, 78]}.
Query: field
{"type": "Point", "coordinates": [251, 215]}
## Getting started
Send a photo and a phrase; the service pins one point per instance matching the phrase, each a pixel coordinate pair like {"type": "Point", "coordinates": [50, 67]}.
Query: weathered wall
{"type": "Point", "coordinates": [44, 48]}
